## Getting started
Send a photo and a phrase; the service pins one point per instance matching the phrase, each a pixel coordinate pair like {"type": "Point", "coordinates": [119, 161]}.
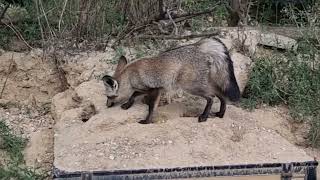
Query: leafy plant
{"type": "Point", "coordinates": [15, 168]}
{"type": "Point", "coordinates": [292, 80]}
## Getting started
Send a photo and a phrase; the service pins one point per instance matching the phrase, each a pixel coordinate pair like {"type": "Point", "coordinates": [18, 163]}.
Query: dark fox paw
{"type": "Point", "coordinates": [145, 122]}
{"type": "Point", "coordinates": [202, 118]}
{"type": "Point", "coordinates": [219, 114]}
{"type": "Point", "coordinates": [216, 114]}
{"type": "Point", "coordinates": [126, 106]}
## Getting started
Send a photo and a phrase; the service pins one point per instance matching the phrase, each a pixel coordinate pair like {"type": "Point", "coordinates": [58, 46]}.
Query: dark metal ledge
{"type": "Point", "coordinates": [285, 170]}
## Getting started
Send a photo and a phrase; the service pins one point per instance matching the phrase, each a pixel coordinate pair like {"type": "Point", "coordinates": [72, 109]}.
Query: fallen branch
{"type": "Point", "coordinates": [183, 17]}
{"type": "Point", "coordinates": [180, 37]}
{"type": "Point", "coordinates": [173, 20]}
{"type": "Point", "coordinates": [174, 24]}
{"type": "Point", "coordinates": [9, 72]}
{"type": "Point", "coordinates": [127, 34]}
{"type": "Point", "coordinates": [176, 16]}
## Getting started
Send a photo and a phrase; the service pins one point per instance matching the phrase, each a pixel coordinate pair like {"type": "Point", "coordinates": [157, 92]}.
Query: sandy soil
{"type": "Point", "coordinates": [112, 138]}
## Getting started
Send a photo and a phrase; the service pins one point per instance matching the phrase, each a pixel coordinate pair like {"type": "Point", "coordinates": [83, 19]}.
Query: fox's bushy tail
{"type": "Point", "coordinates": [231, 90]}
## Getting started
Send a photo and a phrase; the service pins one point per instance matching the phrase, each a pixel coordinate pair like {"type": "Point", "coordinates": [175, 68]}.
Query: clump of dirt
{"type": "Point", "coordinates": [28, 77]}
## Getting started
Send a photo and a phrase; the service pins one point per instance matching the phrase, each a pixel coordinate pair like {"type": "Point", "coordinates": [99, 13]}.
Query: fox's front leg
{"type": "Point", "coordinates": [130, 102]}
{"type": "Point", "coordinates": [153, 102]}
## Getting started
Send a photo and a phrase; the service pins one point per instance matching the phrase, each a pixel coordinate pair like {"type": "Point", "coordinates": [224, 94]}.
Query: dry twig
{"type": "Point", "coordinates": [174, 24]}
{"type": "Point", "coordinates": [5, 81]}
{"type": "Point", "coordinates": [215, 33]}
{"type": "Point", "coordinates": [61, 15]}
{"type": "Point", "coordinates": [18, 34]}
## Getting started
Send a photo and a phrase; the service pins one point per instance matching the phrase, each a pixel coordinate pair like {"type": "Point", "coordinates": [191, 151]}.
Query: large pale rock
{"type": "Point", "coordinates": [244, 39]}
{"type": "Point", "coordinates": [242, 65]}
{"type": "Point", "coordinates": [62, 102]}
{"type": "Point", "coordinates": [278, 41]}
{"type": "Point", "coordinates": [249, 39]}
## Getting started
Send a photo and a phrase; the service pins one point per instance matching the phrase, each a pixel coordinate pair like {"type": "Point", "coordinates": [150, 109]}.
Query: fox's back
{"type": "Point", "coordinates": [191, 67]}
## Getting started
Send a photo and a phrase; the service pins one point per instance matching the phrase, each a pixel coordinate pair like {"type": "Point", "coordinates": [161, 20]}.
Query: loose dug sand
{"type": "Point", "coordinates": [112, 138]}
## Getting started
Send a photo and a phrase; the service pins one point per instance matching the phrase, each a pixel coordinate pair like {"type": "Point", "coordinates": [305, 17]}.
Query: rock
{"type": "Point", "coordinates": [278, 41]}
{"type": "Point", "coordinates": [242, 65]}
{"type": "Point", "coordinates": [244, 37]}
{"type": "Point", "coordinates": [249, 39]}
{"type": "Point", "coordinates": [93, 91]}
{"type": "Point", "coordinates": [62, 102]}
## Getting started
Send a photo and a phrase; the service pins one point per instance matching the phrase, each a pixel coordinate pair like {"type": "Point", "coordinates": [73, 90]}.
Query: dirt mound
{"type": "Point", "coordinates": [112, 138]}
{"type": "Point", "coordinates": [29, 77]}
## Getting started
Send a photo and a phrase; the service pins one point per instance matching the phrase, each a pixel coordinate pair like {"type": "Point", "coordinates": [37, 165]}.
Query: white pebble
{"type": "Point", "coordinates": [111, 157]}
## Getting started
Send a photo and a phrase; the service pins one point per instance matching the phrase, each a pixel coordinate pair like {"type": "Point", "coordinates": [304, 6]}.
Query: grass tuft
{"type": "Point", "coordinates": [291, 79]}
{"type": "Point", "coordinates": [14, 167]}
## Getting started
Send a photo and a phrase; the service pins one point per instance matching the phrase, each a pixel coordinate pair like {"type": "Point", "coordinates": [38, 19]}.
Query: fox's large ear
{"type": "Point", "coordinates": [121, 64]}
{"type": "Point", "coordinates": [109, 81]}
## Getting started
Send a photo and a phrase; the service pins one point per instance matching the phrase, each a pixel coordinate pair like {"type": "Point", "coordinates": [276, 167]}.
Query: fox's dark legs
{"type": "Point", "coordinates": [204, 116]}
{"type": "Point", "coordinates": [153, 102]}
{"type": "Point", "coordinates": [130, 102]}
{"type": "Point", "coordinates": [222, 110]}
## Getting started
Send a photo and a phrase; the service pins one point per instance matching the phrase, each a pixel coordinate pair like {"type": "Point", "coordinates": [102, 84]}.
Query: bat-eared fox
{"type": "Point", "coordinates": [203, 69]}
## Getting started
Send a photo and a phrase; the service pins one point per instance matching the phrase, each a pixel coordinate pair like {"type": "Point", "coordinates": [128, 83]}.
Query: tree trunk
{"type": "Point", "coordinates": [238, 12]}
{"type": "Point", "coordinates": [140, 12]}
{"type": "Point", "coordinates": [84, 9]}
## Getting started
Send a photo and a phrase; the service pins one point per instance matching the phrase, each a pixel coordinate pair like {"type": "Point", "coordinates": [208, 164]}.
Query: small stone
{"type": "Point", "coordinates": [170, 142]}
{"type": "Point", "coordinates": [111, 157]}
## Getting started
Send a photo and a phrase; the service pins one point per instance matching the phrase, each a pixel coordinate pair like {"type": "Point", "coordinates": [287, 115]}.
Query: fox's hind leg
{"type": "Point", "coordinates": [222, 110]}
{"type": "Point", "coordinates": [204, 116]}
{"type": "Point", "coordinates": [153, 102]}
{"type": "Point", "coordinates": [130, 102]}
